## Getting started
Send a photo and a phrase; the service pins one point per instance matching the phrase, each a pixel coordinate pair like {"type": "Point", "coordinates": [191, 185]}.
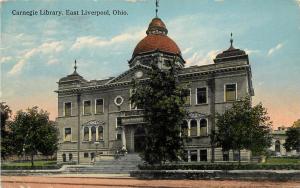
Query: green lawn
{"type": "Point", "coordinates": [28, 163]}
{"type": "Point", "coordinates": [282, 160]}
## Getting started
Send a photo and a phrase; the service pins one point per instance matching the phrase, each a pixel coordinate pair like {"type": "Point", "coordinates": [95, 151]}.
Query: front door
{"type": "Point", "coordinates": [139, 139]}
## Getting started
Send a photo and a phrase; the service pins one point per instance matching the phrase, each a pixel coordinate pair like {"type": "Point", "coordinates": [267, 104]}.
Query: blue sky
{"type": "Point", "coordinates": [38, 50]}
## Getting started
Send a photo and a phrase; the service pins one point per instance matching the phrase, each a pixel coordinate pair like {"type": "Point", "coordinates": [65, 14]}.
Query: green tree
{"type": "Point", "coordinates": [5, 113]}
{"type": "Point", "coordinates": [293, 137]}
{"type": "Point", "coordinates": [33, 132]}
{"type": "Point", "coordinates": [296, 124]}
{"type": "Point", "coordinates": [244, 127]}
{"type": "Point", "coordinates": [162, 100]}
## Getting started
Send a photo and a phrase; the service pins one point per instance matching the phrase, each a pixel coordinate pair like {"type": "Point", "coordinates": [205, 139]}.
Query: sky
{"type": "Point", "coordinates": [36, 51]}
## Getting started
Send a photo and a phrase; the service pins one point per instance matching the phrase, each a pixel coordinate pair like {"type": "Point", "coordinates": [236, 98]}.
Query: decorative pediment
{"type": "Point", "coordinates": [93, 123]}
{"type": "Point", "coordinates": [196, 115]}
{"type": "Point", "coordinates": [137, 71]}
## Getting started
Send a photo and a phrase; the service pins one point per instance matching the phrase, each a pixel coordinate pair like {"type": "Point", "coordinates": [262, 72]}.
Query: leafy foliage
{"type": "Point", "coordinates": [244, 127]}
{"type": "Point", "coordinates": [293, 139]}
{"type": "Point", "coordinates": [5, 113]}
{"type": "Point", "coordinates": [162, 100]}
{"type": "Point", "coordinates": [33, 133]}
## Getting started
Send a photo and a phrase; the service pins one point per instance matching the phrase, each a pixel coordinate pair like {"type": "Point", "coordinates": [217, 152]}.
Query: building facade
{"type": "Point", "coordinates": [96, 118]}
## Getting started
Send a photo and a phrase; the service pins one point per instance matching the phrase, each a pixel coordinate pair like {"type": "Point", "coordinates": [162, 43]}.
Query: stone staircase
{"type": "Point", "coordinates": [122, 165]}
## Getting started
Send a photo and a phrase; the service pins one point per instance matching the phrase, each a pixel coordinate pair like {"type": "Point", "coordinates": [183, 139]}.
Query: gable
{"type": "Point", "coordinates": [139, 71]}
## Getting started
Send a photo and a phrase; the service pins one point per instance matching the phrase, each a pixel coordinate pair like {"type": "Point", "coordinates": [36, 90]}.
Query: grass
{"type": "Point", "coordinates": [282, 160]}
{"type": "Point", "coordinates": [28, 163]}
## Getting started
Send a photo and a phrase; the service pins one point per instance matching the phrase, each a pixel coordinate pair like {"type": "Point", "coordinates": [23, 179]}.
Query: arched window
{"type": "Point", "coordinates": [184, 128]}
{"type": "Point", "coordinates": [277, 146]}
{"type": "Point", "coordinates": [93, 130]}
{"type": "Point", "coordinates": [203, 127]}
{"type": "Point", "coordinates": [86, 134]}
{"type": "Point", "coordinates": [193, 127]}
{"type": "Point", "coordinates": [100, 133]}
{"type": "Point", "coordinates": [64, 158]}
{"type": "Point", "coordinates": [70, 157]}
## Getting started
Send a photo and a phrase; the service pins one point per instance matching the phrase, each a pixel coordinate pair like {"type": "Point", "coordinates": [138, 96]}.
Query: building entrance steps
{"type": "Point", "coordinates": [121, 165]}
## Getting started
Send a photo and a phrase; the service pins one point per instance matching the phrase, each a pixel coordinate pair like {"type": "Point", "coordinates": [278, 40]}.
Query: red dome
{"type": "Point", "coordinates": [156, 42]}
{"type": "Point", "coordinates": [156, 39]}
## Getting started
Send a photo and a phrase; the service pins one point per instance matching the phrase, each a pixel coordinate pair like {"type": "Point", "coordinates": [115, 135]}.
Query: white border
{"type": "Point", "coordinates": [115, 100]}
{"type": "Point", "coordinates": [83, 107]}
{"type": "Point", "coordinates": [64, 108]}
{"type": "Point", "coordinates": [197, 95]}
{"type": "Point", "coordinates": [96, 105]}
{"type": "Point", "coordinates": [224, 91]}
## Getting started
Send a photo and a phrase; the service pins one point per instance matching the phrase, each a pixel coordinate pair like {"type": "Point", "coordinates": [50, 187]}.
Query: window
{"type": "Point", "coordinates": [277, 146]}
{"type": "Point", "coordinates": [86, 107]}
{"type": "Point", "coordinates": [92, 156]}
{"type": "Point", "coordinates": [86, 131]}
{"type": "Point", "coordinates": [68, 135]}
{"type": "Point", "coordinates": [236, 156]}
{"type": "Point", "coordinates": [70, 157]}
{"type": "Point", "coordinates": [187, 99]}
{"type": "Point", "coordinates": [93, 130]}
{"type": "Point", "coordinates": [100, 133]}
{"type": "Point", "coordinates": [203, 155]}
{"type": "Point", "coordinates": [99, 106]}
{"type": "Point", "coordinates": [230, 92]}
{"type": "Point", "coordinates": [64, 157]}
{"type": "Point", "coordinates": [86, 155]}
{"type": "Point", "coordinates": [225, 156]}
{"type": "Point", "coordinates": [194, 127]}
{"type": "Point", "coordinates": [119, 122]}
{"type": "Point", "coordinates": [201, 95]}
{"type": "Point", "coordinates": [184, 128]}
{"type": "Point", "coordinates": [203, 127]}
{"type": "Point", "coordinates": [119, 136]}
{"type": "Point", "coordinates": [185, 156]}
{"type": "Point", "coordinates": [194, 155]}
{"type": "Point", "coordinates": [68, 109]}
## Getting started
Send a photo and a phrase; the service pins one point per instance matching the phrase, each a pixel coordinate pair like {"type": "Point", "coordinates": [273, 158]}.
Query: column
{"type": "Point", "coordinates": [198, 155]}
{"type": "Point", "coordinates": [189, 128]}
{"type": "Point", "coordinates": [90, 134]}
{"type": "Point", "coordinates": [97, 136]}
{"type": "Point", "coordinates": [198, 127]}
{"type": "Point", "coordinates": [123, 137]}
{"type": "Point", "coordinates": [189, 156]}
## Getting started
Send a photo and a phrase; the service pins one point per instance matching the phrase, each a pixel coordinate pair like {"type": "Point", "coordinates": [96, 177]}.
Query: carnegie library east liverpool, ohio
{"type": "Point", "coordinates": [68, 12]}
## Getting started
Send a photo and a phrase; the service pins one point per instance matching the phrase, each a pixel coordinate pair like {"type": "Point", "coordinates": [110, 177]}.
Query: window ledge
{"type": "Point", "coordinates": [202, 104]}
{"type": "Point", "coordinates": [99, 113]}
{"type": "Point", "coordinates": [86, 114]}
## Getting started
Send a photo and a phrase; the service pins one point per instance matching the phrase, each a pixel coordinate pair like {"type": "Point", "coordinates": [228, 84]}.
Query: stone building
{"type": "Point", "coordinates": [96, 118]}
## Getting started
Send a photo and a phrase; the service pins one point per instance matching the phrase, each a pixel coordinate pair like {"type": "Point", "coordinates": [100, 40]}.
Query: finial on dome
{"type": "Point", "coordinates": [75, 66]}
{"type": "Point", "coordinates": [231, 40]}
{"type": "Point", "coordinates": [156, 9]}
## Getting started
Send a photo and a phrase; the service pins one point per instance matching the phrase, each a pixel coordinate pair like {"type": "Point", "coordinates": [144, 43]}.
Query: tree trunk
{"type": "Point", "coordinates": [32, 164]}
{"type": "Point", "coordinates": [239, 156]}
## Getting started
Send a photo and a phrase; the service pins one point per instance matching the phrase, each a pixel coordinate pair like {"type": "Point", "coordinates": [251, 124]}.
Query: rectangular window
{"type": "Point", "coordinates": [99, 106]}
{"type": "Point", "coordinates": [86, 107]}
{"type": "Point", "coordinates": [119, 136]}
{"type": "Point", "coordinates": [203, 155]}
{"type": "Point", "coordinates": [194, 155]}
{"type": "Point", "coordinates": [187, 99]}
{"type": "Point", "coordinates": [119, 122]}
{"type": "Point", "coordinates": [133, 106]}
{"type": "Point", "coordinates": [86, 155]}
{"type": "Point", "coordinates": [230, 92]}
{"type": "Point", "coordinates": [225, 156]}
{"type": "Point", "coordinates": [236, 156]}
{"type": "Point", "coordinates": [68, 135]}
{"type": "Point", "coordinates": [201, 95]}
{"type": "Point", "coordinates": [68, 109]}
